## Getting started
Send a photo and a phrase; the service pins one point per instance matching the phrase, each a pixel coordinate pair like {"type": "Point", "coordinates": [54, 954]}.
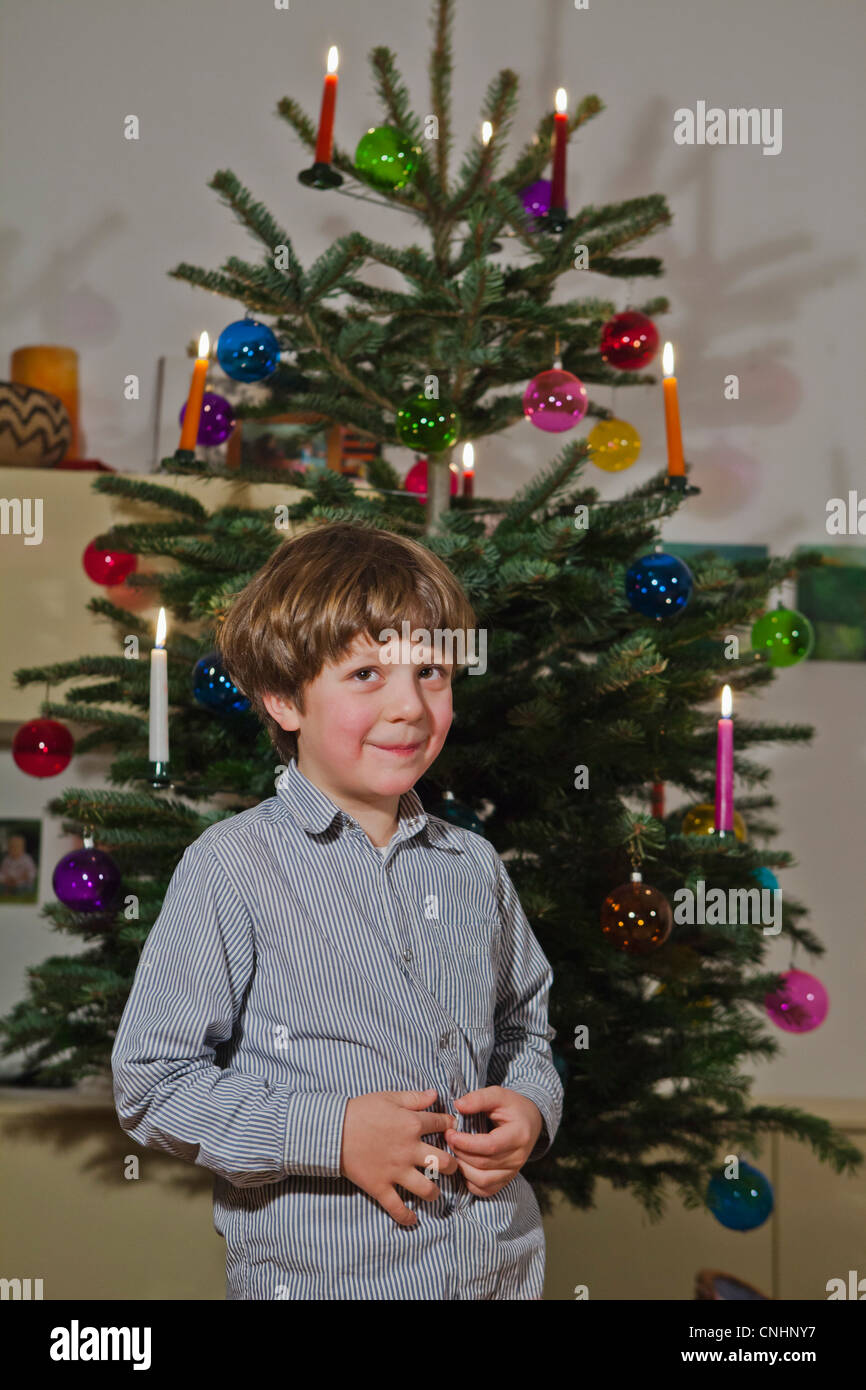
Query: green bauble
{"type": "Point", "coordinates": [784, 636]}
{"type": "Point", "coordinates": [385, 158]}
{"type": "Point", "coordinates": [428, 426]}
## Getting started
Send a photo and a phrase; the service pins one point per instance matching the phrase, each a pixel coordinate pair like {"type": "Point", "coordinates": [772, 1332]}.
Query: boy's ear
{"type": "Point", "coordinates": [283, 711]}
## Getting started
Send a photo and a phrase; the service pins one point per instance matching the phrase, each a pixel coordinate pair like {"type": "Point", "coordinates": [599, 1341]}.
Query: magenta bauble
{"type": "Point", "coordinates": [800, 1005]}
{"type": "Point", "coordinates": [108, 567]}
{"type": "Point", "coordinates": [416, 479]}
{"type": "Point", "coordinates": [555, 401]}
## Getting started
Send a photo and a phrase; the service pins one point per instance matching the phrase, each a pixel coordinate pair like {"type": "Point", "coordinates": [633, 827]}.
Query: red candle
{"type": "Point", "coordinates": [676, 466]}
{"type": "Point", "coordinates": [468, 469]}
{"type": "Point", "coordinates": [325, 138]}
{"type": "Point", "coordinates": [560, 132]}
{"type": "Point", "coordinates": [192, 414]}
{"type": "Point", "coordinates": [657, 800]}
{"type": "Point", "coordinates": [725, 766]}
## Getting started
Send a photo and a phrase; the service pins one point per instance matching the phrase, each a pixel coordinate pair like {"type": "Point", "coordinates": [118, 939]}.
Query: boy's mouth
{"type": "Point", "coordinates": [401, 749]}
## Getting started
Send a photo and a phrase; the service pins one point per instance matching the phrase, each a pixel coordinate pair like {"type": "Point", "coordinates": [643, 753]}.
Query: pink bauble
{"type": "Point", "coordinates": [800, 1005]}
{"type": "Point", "coordinates": [416, 479]}
{"type": "Point", "coordinates": [555, 401]}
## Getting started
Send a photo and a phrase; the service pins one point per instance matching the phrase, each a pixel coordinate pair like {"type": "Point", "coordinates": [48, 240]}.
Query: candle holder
{"type": "Point", "coordinates": [320, 175]}
{"type": "Point", "coordinates": [181, 458]}
{"type": "Point", "coordinates": [677, 482]}
{"type": "Point", "coordinates": [159, 777]}
{"type": "Point", "coordinates": [554, 220]}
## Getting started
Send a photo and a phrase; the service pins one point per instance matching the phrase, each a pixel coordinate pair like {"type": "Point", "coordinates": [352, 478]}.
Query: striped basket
{"type": "Point", "coordinates": [35, 430]}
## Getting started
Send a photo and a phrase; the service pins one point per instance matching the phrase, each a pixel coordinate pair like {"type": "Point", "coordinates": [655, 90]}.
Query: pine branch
{"type": "Point", "coordinates": [441, 69]}
{"type": "Point", "coordinates": [137, 490]}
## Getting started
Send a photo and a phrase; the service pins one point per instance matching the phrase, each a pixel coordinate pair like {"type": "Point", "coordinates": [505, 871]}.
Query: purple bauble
{"type": "Point", "coordinates": [800, 1005]}
{"type": "Point", "coordinates": [217, 419]}
{"type": "Point", "coordinates": [87, 880]}
{"type": "Point", "coordinates": [536, 197]}
{"type": "Point", "coordinates": [555, 401]}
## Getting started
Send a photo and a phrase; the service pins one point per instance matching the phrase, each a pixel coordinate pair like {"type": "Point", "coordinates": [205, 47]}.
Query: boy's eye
{"type": "Point", "coordinates": [364, 670]}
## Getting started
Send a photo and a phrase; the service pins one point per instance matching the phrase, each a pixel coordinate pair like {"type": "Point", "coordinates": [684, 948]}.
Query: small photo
{"type": "Point", "coordinates": [20, 853]}
{"type": "Point", "coordinates": [833, 598]}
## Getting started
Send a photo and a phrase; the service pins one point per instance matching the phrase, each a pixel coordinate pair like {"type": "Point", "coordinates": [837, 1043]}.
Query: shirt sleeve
{"type": "Point", "coordinates": [522, 1059]}
{"type": "Point", "coordinates": [187, 997]}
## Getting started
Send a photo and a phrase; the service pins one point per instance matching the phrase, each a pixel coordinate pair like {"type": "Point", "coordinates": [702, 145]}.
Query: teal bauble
{"type": "Point", "coordinates": [456, 813]}
{"type": "Point", "coordinates": [784, 636]}
{"type": "Point", "coordinates": [428, 426]}
{"type": "Point", "coordinates": [386, 158]}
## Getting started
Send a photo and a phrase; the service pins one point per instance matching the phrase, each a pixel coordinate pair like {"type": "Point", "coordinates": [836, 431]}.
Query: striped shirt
{"type": "Point", "coordinates": [293, 966]}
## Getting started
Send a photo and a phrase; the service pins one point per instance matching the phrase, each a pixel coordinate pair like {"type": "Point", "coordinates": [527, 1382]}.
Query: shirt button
{"type": "Point", "coordinates": [445, 1039]}
{"type": "Point", "coordinates": [407, 955]}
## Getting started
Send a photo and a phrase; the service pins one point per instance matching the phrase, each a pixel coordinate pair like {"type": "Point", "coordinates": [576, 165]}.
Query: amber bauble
{"type": "Point", "coordinates": [701, 820]}
{"type": "Point", "coordinates": [636, 917]}
{"type": "Point", "coordinates": [613, 445]}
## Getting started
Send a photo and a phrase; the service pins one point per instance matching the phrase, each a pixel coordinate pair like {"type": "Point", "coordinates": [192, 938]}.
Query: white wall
{"type": "Point", "coordinates": [764, 273]}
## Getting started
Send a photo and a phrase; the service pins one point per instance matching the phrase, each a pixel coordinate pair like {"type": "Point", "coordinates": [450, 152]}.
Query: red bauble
{"type": "Point", "coordinates": [108, 566]}
{"type": "Point", "coordinates": [636, 918]}
{"type": "Point", "coordinates": [416, 479]}
{"type": "Point", "coordinates": [629, 341]}
{"type": "Point", "coordinates": [43, 747]}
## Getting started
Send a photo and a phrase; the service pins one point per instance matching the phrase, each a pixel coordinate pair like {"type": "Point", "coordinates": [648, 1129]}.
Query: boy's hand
{"type": "Point", "coordinates": [382, 1146]}
{"type": "Point", "coordinates": [488, 1162]}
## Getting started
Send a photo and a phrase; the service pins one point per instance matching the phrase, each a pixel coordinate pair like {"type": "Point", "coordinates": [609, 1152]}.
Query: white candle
{"type": "Point", "coordinates": [158, 728]}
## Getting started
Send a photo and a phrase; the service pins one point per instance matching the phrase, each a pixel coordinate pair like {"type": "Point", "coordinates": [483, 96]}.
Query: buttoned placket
{"type": "Point", "coordinates": [456, 1196]}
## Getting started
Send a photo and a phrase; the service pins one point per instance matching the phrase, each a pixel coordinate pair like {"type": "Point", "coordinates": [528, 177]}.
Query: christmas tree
{"type": "Point", "coordinates": [590, 696]}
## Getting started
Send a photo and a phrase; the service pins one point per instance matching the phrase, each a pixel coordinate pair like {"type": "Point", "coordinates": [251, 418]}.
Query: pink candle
{"type": "Point", "coordinates": [725, 766]}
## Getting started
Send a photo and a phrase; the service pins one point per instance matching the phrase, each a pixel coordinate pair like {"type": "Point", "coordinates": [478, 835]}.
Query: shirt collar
{"type": "Point", "coordinates": [315, 812]}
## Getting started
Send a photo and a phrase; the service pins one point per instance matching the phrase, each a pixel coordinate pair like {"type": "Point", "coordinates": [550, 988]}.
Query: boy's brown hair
{"type": "Point", "coordinates": [315, 595]}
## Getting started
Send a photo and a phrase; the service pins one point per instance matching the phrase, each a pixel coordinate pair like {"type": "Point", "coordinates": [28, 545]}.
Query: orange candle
{"type": "Point", "coordinates": [192, 414]}
{"type": "Point", "coordinates": [55, 370]}
{"type": "Point", "coordinates": [676, 465]}
{"type": "Point", "coordinates": [325, 138]}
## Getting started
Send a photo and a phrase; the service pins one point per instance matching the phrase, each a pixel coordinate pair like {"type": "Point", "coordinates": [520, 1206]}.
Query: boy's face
{"type": "Point", "coordinates": [359, 709]}
{"type": "Point", "coordinates": [16, 845]}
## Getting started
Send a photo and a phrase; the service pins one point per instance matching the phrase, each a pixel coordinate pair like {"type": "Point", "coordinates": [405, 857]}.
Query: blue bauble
{"type": "Point", "coordinates": [766, 878]}
{"type": "Point", "coordinates": [213, 689]}
{"type": "Point", "coordinates": [658, 585]}
{"type": "Point", "coordinates": [740, 1203]}
{"type": "Point", "coordinates": [247, 350]}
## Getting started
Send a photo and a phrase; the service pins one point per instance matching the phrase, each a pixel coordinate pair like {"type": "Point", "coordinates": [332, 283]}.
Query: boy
{"type": "Point", "coordinates": [341, 996]}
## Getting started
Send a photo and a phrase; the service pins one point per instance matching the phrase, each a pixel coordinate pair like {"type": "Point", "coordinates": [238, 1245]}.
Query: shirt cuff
{"type": "Point", "coordinates": [549, 1117]}
{"type": "Point", "coordinates": [314, 1134]}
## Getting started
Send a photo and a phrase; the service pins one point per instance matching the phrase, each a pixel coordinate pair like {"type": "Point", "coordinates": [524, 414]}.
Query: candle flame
{"type": "Point", "coordinates": [203, 345]}
{"type": "Point", "coordinates": [727, 702]}
{"type": "Point", "coordinates": [668, 359]}
{"type": "Point", "coordinates": [468, 458]}
{"type": "Point", "coordinates": [160, 629]}
{"type": "Point", "coordinates": [561, 100]}
{"type": "Point", "coordinates": [333, 58]}
{"type": "Point", "coordinates": [486, 132]}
